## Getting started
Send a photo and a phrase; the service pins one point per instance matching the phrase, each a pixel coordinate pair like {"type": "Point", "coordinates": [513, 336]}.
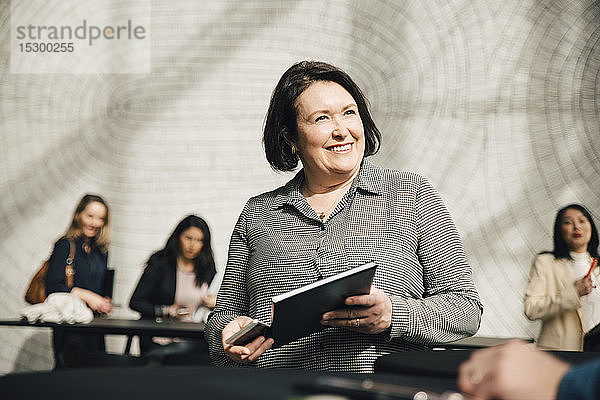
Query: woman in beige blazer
{"type": "Point", "coordinates": [558, 281]}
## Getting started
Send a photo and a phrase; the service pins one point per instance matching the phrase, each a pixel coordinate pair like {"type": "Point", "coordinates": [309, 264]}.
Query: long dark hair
{"type": "Point", "coordinates": [561, 250]}
{"type": "Point", "coordinates": [204, 264]}
{"type": "Point", "coordinates": [281, 119]}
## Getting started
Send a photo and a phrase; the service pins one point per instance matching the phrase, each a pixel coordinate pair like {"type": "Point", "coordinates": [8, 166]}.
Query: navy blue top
{"type": "Point", "coordinates": [90, 268]}
{"type": "Point", "coordinates": [581, 382]}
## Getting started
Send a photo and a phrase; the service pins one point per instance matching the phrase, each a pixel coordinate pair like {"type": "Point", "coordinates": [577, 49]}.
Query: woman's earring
{"type": "Point", "coordinates": [293, 150]}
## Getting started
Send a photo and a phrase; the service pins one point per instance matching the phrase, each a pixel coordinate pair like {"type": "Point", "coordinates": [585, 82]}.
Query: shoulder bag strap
{"type": "Point", "coordinates": [69, 270]}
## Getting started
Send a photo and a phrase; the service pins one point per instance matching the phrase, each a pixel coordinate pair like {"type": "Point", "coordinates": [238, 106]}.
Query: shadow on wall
{"type": "Point", "coordinates": [35, 353]}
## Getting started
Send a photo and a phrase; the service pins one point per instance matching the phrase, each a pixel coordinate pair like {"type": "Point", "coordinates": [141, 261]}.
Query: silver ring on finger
{"type": "Point", "coordinates": [357, 322]}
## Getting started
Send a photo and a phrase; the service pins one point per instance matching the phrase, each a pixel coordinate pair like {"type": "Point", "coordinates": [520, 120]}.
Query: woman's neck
{"type": "Point", "coordinates": [582, 249]}
{"type": "Point", "coordinates": [314, 184]}
{"type": "Point", "coordinates": [86, 243]}
{"type": "Point", "coordinates": [184, 264]}
{"type": "Point", "coordinates": [323, 197]}
{"type": "Point", "coordinates": [78, 234]}
{"type": "Point", "coordinates": [580, 254]}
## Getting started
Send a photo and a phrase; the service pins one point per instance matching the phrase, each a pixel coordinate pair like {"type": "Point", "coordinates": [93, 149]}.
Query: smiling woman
{"type": "Point", "coordinates": [90, 233]}
{"type": "Point", "coordinates": [563, 292]}
{"type": "Point", "coordinates": [338, 212]}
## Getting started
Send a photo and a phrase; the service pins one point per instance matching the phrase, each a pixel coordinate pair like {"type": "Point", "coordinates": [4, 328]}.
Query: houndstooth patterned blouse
{"type": "Point", "coordinates": [393, 218]}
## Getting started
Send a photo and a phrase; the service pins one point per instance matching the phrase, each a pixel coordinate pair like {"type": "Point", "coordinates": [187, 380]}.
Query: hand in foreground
{"type": "Point", "coordinates": [515, 370]}
{"type": "Point", "coordinates": [251, 351]}
{"type": "Point", "coordinates": [584, 285]}
{"type": "Point", "coordinates": [374, 314]}
{"type": "Point", "coordinates": [94, 301]}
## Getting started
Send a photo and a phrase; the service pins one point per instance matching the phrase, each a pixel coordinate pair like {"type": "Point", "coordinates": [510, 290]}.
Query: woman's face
{"type": "Point", "coordinates": [91, 219]}
{"type": "Point", "coordinates": [576, 230]}
{"type": "Point", "coordinates": [191, 241]}
{"type": "Point", "coordinates": [330, 132]}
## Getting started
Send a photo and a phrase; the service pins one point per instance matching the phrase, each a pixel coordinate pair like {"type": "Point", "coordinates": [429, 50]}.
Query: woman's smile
{"type": "Point", "coordinates": [340, 148]}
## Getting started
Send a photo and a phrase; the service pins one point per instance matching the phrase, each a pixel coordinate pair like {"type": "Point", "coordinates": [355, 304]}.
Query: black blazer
{"type": "Point", "coordinates": [156, 288]}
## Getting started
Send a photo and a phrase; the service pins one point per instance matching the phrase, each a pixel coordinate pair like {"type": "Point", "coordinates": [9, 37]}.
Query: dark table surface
{"type": "Point", "coordinates": [123, 327]}
{"type": "Point", "coordinates": [164, 383]}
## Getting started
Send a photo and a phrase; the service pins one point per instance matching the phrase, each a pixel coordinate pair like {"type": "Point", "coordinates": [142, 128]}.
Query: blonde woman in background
{"type": "Point", "coordinates": [90, 233]}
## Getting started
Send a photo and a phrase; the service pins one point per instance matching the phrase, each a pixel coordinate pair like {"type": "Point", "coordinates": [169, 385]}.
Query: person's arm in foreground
{"type": "Point", "coordinates": [517, 370]}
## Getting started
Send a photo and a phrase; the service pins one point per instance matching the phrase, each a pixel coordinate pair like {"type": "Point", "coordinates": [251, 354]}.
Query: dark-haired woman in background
{"type": "Point", "coordinates": [90, 233]}
{"type": "Point", "coordinates": [559, 292]}
{"type": "Point", "coordinates": [176, 280]}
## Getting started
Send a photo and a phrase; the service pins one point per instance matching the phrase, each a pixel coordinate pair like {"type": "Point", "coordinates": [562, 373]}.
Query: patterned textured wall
{"type": "Point", "coordinates": [495, 102]}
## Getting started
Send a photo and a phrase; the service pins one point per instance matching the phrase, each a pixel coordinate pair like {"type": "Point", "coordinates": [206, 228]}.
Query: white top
{"type": "Point", "coordinates": [590, 303]}
{"type": "Point", "coordinates": [187, 294]}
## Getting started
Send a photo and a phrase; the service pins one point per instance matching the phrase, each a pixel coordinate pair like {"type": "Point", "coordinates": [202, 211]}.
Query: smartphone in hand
{"type": "Point", "coordinates": [182, 311]}
{"type": "Point", "coordinates": [248, 333]}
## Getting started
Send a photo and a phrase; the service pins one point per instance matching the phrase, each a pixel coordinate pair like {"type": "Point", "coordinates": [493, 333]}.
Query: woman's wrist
{"type": "Point", "coordinates": [80, 293]}
{"type": "Point", "coordinates": [157, 311]}
{"type": "Point", "coordinates": [162, 311]}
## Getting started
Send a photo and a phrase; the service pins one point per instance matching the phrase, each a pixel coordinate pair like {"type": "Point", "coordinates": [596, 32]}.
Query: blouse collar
{"type": "Point", "coordinates": [369, 179]}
